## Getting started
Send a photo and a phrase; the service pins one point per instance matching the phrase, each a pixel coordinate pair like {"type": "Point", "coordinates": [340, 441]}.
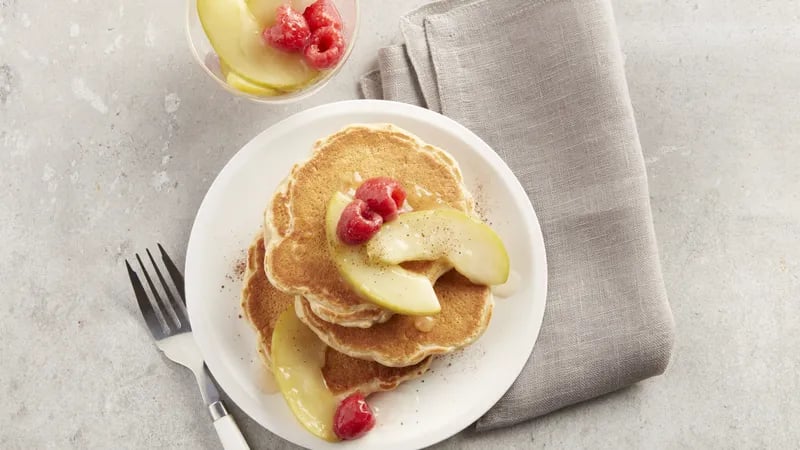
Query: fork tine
{"type": "Point", "coordinates": [144, 304]}
{"type": "Point", "coordinates": [158, 301]}
{"type": "Point", "coordinates": [178, 315]}
{"type": "Point", "coordinates": [177, 278]}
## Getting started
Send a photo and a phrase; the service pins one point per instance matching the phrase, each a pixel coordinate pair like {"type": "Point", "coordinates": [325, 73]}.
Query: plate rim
{"type": "Point", "coordinates": [349, 107]}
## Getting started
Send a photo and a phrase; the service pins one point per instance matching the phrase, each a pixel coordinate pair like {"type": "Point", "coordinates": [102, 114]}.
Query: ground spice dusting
{"type": "Point", "coordinates": [239, 268]}
{"type": "Point", "coordinates": [479, 196]}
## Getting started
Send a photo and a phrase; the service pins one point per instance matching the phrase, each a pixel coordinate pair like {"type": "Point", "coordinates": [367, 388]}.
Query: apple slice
{"type": "Point", "coordinates": [386, 285]}
{"type": "Point", "coordinates": [240, 84]}
{"type": "Point", "coordinates": [473, 248]}
{"type": "Point", "coordinates": [264, 10]}
{"type": "Point", "coordinates": [297, 359]}
{"type": "Point", "coordinates": [235, 35]}
{"type": "Point", "coordinates": [237, 82]}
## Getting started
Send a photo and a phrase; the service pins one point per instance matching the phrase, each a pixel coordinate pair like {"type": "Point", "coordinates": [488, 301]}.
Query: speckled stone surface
{"type": "Point", "coordinates": [110, 135]}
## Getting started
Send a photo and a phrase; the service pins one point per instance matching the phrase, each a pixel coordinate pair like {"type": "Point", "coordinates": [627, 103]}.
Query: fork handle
{"type": "Point", "coordinates": [226, 427]}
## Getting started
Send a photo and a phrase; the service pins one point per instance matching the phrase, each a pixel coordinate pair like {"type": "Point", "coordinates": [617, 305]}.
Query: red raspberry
{"type": "Point", "coordinates": [358, 223]}
{"type": "Point", "coordinates": [322, 13]}
{"type": "Point", "coordinates": [325, 49]}
{"type": "Point", "coordinates": [290, 31]}
{"type": "Point", "coordinates": [383, 195]}
{"type": "Point", "coordinates": [353, 417]}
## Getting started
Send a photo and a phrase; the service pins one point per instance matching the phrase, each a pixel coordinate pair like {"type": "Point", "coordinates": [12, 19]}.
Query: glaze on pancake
{"type": "Point", "coordinates": [466, 311]}
{"type": "Point", "coordinates": [263, 304]}
{"type": "Point", "coordinates": [297, 259]}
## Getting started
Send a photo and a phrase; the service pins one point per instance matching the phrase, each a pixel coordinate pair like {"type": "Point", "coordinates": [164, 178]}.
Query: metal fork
{"type": "Point", "coordinates": [170, 327]}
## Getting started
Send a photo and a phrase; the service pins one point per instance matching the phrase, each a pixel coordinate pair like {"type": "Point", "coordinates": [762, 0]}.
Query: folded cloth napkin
{"type": "Point", "coordinates": [543, 83]}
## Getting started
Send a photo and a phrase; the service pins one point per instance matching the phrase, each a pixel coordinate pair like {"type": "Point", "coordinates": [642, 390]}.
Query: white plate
{"type": "Point", "coordinates": [459, 388]}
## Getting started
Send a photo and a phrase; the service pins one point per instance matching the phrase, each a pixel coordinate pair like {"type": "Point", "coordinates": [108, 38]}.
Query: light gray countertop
{"type": "Point", "coordinates": [110, 135]}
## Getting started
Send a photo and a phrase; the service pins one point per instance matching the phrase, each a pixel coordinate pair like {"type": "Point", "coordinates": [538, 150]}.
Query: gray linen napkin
{"type": "Point", "coordinates": [543, 83]}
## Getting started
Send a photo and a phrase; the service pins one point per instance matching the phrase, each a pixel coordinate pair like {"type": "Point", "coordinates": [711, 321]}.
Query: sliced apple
{"type": "Point", "coordinates": [237, 82]}
{"type": "Point", "coordinates": [240, 84]}
{"type": "Point", "coordinates": [297, 359]}
{"type": "Point", "coordinates": [235, 35]}
{"type": "Point", "coordinates": [386, 285]}
{"type": "Point", "coordinates": [474, 249]}
{"type": "Point", "coordinates": [264, 10]}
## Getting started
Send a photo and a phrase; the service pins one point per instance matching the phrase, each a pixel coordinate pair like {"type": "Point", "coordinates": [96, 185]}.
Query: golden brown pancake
{"type": "Point", "coordinates": [344, 375]}
{"type": "Point", "coordinates": [465, 314]}
{"type": "Point", "coordinates": [297, 259]}
{"type": "Point", "coordinates": [263, 304]}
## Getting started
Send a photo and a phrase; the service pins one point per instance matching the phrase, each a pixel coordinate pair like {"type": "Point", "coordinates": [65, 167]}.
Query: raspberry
{"type": "Point", "coordinates": [322, 13]}
{"type": "Point", "coordinates": [358, 223]}
{"type": "Point", "coordinates": [290, 32]}
{"type": "Point", "coordinates": [325, 49]}
{"type": "Point", "coordinates": [383, 195]}
{"type": "Point", "coordinates": [353, 417]}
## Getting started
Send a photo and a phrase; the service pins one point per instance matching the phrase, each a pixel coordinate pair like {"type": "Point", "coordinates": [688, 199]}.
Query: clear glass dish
{"type": "Point", "coordinates": [205, 56]}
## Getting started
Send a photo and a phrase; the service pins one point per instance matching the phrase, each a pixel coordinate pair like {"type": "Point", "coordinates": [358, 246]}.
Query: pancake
{"type": "Point", "coordinates": [297, 260]}
{"type": "Point", "coordinates": [263, 304]}
{"type": "Point", "coordinates": [466, 311]}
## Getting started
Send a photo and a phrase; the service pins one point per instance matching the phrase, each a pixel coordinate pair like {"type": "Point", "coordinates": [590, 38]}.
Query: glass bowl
{"type": "Point", "coordinates": [205, 56]}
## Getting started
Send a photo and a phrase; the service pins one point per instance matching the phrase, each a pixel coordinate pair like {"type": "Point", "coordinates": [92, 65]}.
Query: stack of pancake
{"type": "Point", "coordinates": [369, 348]}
